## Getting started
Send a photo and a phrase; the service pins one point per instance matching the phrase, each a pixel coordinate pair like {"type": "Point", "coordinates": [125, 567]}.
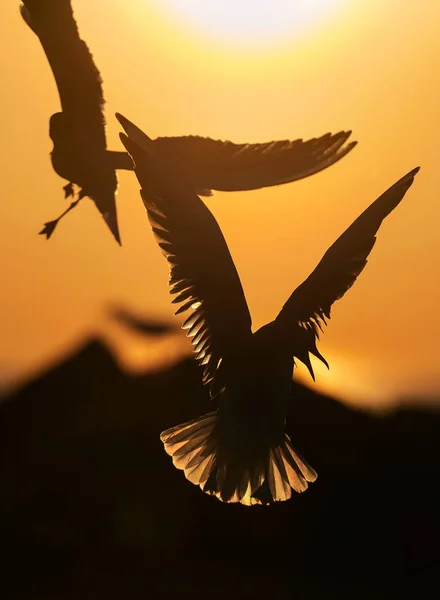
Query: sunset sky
{"type": "Point", "coordinates": [372, 66]}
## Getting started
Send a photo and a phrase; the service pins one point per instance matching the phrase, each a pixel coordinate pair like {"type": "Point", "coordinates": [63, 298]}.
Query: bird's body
{"type": "Point", "coordinates": [91, 169]}
{"type": "Point", "coordinates": [260, 389]}
{"type": "Point", "coordinates": [240, 451]}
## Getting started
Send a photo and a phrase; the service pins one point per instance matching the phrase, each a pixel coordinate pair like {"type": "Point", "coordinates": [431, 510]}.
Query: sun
{"type": "Point", "coordinates": [253, 21]}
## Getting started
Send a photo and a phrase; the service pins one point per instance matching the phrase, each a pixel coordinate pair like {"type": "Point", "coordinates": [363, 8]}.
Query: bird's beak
{"type": "Point", "coordinates": [136, 134]}
{"type": "Point", "coordinates": [141, 161]}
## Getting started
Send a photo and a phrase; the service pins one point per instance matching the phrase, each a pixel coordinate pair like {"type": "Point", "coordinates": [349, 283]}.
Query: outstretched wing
{"type": "Point", "coordinates": [225, 166]}
{"type": "Point", "coordinates": [78, 80]}
{"type": "Point", "coordinates": [203, 275]}
{"type": "Point", "coordinates": [309, 306]}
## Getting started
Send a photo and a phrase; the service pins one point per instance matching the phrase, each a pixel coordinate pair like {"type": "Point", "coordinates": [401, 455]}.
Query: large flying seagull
{"type": "Point", "coordinates": [240, 452]}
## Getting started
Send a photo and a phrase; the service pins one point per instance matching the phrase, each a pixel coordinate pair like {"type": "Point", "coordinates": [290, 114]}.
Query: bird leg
{"type": "Point", "coordinates": [119, 160]}
{"type": "Point", "coordinates": [49, 227]}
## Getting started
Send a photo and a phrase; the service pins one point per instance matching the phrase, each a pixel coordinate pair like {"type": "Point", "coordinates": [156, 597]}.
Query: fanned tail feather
{"type": "Point", "coordinates": [196, 448]}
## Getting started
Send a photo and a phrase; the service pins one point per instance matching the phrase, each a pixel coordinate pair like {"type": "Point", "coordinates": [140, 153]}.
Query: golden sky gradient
{"type": "Point", "coordinates": [371, 66]}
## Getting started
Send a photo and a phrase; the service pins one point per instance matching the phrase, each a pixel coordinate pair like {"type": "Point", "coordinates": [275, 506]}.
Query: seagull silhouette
{"type": "Point", "coordinates": [78, 132]}
{"type": "Point", "coordinates": [240, 452]}
{"type": "Point", "coordinates": [141, 325]}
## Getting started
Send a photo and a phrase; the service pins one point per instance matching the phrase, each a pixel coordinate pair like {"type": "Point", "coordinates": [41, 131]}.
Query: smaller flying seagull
{"type": "Point", "coordinates": [240, 452]}
{"type": "Point", "coordinates": [79, 152]}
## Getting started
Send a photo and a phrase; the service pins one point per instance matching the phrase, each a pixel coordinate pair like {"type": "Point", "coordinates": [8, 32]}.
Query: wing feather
{"type": "Point", "coordinates": [77, 78]}
{"type": "Point", "coordinates": [207, 164]}
{"type": "Point", "coordinates": [202, 273]}
{"type": "Point", "coordinates": [226, 166]}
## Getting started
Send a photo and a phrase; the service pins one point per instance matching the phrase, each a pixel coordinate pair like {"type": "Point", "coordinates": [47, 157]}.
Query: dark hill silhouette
{"type": "Point", "coordinates": [91, 506]}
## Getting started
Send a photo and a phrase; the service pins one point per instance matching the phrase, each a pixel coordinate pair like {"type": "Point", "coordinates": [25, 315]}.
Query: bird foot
{"type": "Point", "coordinates": [68, 190]}
{"type": "Point", "coordinates": [48, 228]}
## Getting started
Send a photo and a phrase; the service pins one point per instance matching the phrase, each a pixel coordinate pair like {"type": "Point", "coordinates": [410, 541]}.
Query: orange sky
{"type": "Point", "coordinates": [371, 66]}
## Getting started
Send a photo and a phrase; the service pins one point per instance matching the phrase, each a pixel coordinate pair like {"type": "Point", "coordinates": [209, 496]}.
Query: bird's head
{"type": "Point", "coordinates": [140, 143]}
{"type": "Point", "coordinates": [57, 126]}
{"type": "Point", "coordinates": [152, 171]}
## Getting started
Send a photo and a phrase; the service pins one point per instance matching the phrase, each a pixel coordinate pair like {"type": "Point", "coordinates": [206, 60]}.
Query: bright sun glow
{"type": "Point", "coordinates": [254, 20]}
{"type": "Point", "coordinates": [349, 378]}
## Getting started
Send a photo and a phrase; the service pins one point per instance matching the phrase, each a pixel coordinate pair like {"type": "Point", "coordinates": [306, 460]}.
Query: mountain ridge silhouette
{"type": "Point", "coordinates": [90, 501]}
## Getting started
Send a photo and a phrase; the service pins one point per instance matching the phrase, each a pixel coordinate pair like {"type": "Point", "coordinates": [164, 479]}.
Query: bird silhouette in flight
{"type": "Point", "coordinates": [78, 132]}
{"type": "Point", "coordinates": [141, 325]}
{"type": "Point", "coordinates": [240, 452]}
{"type": "Point", "coordinates": [79, 152]}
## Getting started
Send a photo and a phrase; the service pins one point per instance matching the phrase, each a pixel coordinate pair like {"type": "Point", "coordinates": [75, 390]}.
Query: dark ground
{"type": "Point", "coordinates": [91, 506]}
